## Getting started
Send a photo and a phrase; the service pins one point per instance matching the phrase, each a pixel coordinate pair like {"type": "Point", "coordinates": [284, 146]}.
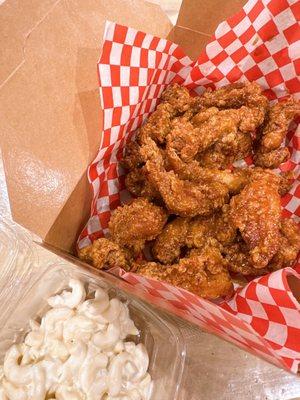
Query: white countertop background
{"type": "Point", "coordinates": [215, 369]}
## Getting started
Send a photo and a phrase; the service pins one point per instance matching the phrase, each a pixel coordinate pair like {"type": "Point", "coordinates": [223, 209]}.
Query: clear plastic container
{"type": "Point", "coordinates": [162, 339]}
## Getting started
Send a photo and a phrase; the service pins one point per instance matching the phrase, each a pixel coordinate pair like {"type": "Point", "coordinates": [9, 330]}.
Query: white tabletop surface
{"type": "Point", "coordinates": [215, 369]}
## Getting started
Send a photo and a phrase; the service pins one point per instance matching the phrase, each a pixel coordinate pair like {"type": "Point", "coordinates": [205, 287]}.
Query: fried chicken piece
{"type": "Point", "coordinates": [204, 115]}
{"type": "Point", "coordinates": [278, 121]}
{"type": "Point", "coordinates": [222, 154]}
{"type": "Point", "coordinates": [175, 99]}
{"type": "Point", "coordinates": [202, 273]}
{"type": "Point", "coordinates": [256, 213]}
{"type": "Point", "coordinates": [178, 97]}
{"type": "Point", "coordinates": [215, 140]}
{"type": "Point", "coordinates": [105, 254]}
{"type": "Point", "coordinates": [219, 227]}
{"type": "Point", "coordinates": [132, 158]}
{"type": "Point", "coordinates": [245, 96]}
{"type": "Point", "coordinates": [183, 139]}
{"type": "Point", "coordinates": [168, 244]}
{"type": "Point", "coordinates": [238, 259]}
{"type": "Point", "coordinates": [193, 233]}
{"type": "Point", "coordinates": [286, 182]}
{"type": "Point", "coordinates": [133, 224]}
{"type": "Point", "coordinates": [182, 197]}
{"type": "Point", "coordinates": [138, 185]}
{"type": "Point", "coordinates": [186, 198]}
{"type": "Point", "coordinates": [269, 154]}
{"type": "Point", "coordinates": [188, 138]}
{"type": "Point", "coordinates": [289, 246]}
{"type": "Point", "coordinates": [234, 180]}
{"type": "Point", "coordinates": [158, 125]}
{"type": "Point", "coordinates": [237, 254]}
{"type": "Point", "coordinates": [271, 159]}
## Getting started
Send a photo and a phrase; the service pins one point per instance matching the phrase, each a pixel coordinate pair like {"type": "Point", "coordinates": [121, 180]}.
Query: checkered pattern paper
{"type": "Point", "coordinates": [260, 43]}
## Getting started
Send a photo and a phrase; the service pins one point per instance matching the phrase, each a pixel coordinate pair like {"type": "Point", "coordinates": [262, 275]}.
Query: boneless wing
{"type": "Point", "coordinates": [133, 224]}
{"type": "Point", "coordinates": [239, 95]}
{"type": "Point", "coordinates": [182, 197]}
{"type": "Point", "coordinates": [104, 253]}
{"type": "Point", "coordinates": [168, 244]}
{"type": "Point", "coordinates": [256, 213]}
{"type": "Point", "coordinates": [289, 245]}
{"type": "Point", "coordinates": [269, 154]}
{"type": "Point", "coordinates": [203, 272]}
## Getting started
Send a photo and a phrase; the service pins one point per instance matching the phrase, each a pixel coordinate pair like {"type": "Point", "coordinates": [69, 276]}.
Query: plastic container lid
{"type": "Point", "coordinates": [26, 287]}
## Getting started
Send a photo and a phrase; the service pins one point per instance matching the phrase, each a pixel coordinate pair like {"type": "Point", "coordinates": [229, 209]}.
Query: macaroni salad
{"type": "Point", "coordinates": [78, 351]}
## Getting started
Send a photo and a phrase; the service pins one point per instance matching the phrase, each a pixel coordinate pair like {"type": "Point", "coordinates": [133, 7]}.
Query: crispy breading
{"type": "Point", "coordinates": [239, 95]}
{"type": "Point", "coordinates": [271, 159]}
{"type": "Point", "coordinates": [238, 257]}
{"type": "Point", "coordinates": [269, 154]}
{"type": "Point", "coordinates": [182, 197]}
{"type": "Point", "coordinates": [256, 213]}
{"type": "Point", "coordinates": [202, 272]}
{"type": "Point", "coordinates": [225, 152]}
{"type": "Point", "coordinates": [132, 158]}
{"type": "Point", "coordinates": [193, 233]}
{"type": "Point", "coordinates": [178, 97]}
{"type": "Point", "coordinates": [234, 180]}
{"type": "Point", "coordinates": [279, 118]}
{"type": "Point", "coordinates": [189, 137]}
{"type": "Point", "coordinates": [158, 125]}
{"type": "Point", "coordinates": [218, 226]}
{"type": "Point", "coordinates": [105, 254]}
{"type": "Point", "coordinates": [182, 160]}
{"type": "Point", "coordinates": [138, 185]}
{"type": "Point", "coordinates": [289, 246]}
{"type": "Point", "coordinates": [168, 244]}
{"type": "Point", "coordinates": [135, 223]}
{"type": "Point", "coordinates": [286, 182]}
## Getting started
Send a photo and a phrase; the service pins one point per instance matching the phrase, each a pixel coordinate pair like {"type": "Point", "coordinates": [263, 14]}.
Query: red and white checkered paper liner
{"type": "Point", "coordinates": [260, 43]}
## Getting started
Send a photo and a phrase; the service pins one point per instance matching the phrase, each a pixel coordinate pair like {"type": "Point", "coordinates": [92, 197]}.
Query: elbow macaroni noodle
{"type": "Point", "coordinates": [78, 352]}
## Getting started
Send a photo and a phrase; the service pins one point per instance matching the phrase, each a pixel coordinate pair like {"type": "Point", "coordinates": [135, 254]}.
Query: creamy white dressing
{"type": "Point", "coordinates": [78, 352]}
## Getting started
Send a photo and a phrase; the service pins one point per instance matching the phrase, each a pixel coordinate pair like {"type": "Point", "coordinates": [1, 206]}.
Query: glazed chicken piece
{"type": "Point", "coordinates": [219, 227]}
{"type": "Point", "coordinates": [168, 244]}
{"type": "Point", "coordinates": [238, 259]}
{"type": "Point", "coordinates": [269, 154]}
{"type": "Point", "coordinates": [188, 138]}
{"type": "Point", "coordinates": [132, 158]}
{"type": "Point", "coordinates": [182, 197]}
{"type": "Point", "coordinates": [256, 213]}
{"type": "Point", "coordinates": [225, 152]}
{"type": "Point", "coordinates": [237, 254]}
{"type": "Point", "coordinates": [105, 254]}
{"type": "Point", "coordinates": [272, 159]}
{"type": "Point", "coordinates": [158, 125]}
{"type": "Point", "coordinates": [202, 273]}
{"type": "Point", "coordinates": [234, 180]}
{"type": "Point", "coordinates": [186, 198]}
{"type": "Point", "coordinates": [178, 97]}
{"type": "Point", "coordinates": [193, 233]}
{"type": "Point", "coordinates": [286, 182]}
{"type": "Point", "coordinates": [289, 245]}
{"type": "Point", "coordinates": [139, 186]}
{"type": "Point", "coordinates": [135, 223]}
{"type": "Point", "coordinates": [210, 127]}
{"type": "Point", "coordinates": [245, 96]}
{"type": "Point", "coordinates": [175, 99]}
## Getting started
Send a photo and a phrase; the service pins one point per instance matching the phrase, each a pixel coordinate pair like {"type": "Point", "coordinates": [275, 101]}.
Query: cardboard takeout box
{"type": "Point", "coordinates": [50, 113]}
{"type": "Point", "coordinates": [51, 126]}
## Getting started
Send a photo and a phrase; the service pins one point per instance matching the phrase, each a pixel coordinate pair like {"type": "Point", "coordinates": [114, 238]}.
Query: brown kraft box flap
{"type": "Point", "coordinates": [50, 115]}
{"type": "Point", "coordinates": [50, 118]}
{"type": "Point", "coordinates": [197, 21]}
